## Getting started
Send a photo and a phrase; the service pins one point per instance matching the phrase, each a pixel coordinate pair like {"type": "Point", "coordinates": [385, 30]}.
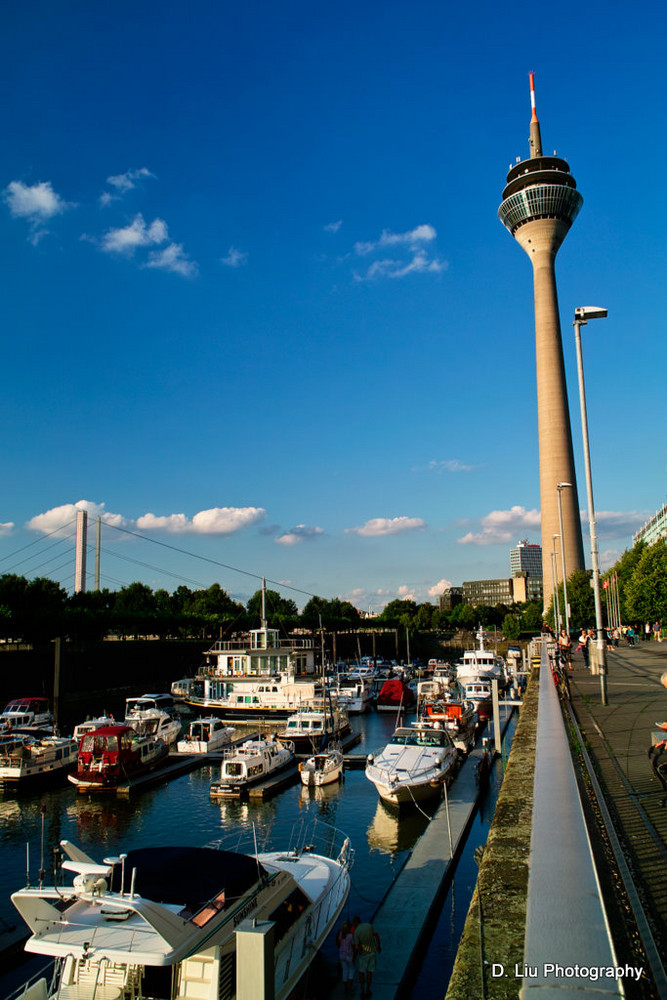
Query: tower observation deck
{"type": "Point", "coordinates": [540, 203]}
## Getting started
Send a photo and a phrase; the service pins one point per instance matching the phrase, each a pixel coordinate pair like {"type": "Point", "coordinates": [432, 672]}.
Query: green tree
{"type": "Point", "coordinates": [279, 610]}
{"type": "Point", "coordinates": [646, 590]}
{"type": "Point", "coordinates": [512, 626]}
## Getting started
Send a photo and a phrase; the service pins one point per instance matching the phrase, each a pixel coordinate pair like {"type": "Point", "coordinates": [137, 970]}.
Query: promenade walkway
{"type": "Point", "coordinates": [617, 738]}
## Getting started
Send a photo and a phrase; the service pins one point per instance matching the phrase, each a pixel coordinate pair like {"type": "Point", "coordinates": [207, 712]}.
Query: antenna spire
{"type": "Point", "coordinates": [535, 135]}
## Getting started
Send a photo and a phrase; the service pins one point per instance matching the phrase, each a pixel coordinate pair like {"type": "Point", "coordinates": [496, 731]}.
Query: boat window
{"type": "Point", "coordinates": [289, 911]}
{"type": "Point", "coordinates": [234, 768]}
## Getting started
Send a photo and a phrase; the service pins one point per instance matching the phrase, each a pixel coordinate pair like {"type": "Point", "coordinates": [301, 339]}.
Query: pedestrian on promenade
{"type": "Point", "coordinates": [630, 635]}
{"type": "Point", "coordinates": [647, 631]}
{"type": "Point", "coordinates": [657, 632]}
{"type": "Point", "coordinates": [367, 945]}
{"type": "Point", "coordinates": [565, 648]}
{"type": "Point", "coordinates": [345, 942]}
{"type": "Point", "coordinates": [616, 635]}
{"type": "Point", "coordinates": [583, 646]}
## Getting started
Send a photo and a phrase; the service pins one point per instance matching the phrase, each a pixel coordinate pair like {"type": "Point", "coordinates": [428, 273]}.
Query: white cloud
{"type": "Point", "coordinates": [173, 258]}
{"type": "Point", "coordinates": [58, 520]}
{"type": "Point", "coordinates": [502, 526]}
{"type": "Point", "coordinates": [235, 258]}
{"type": "Point", "coordinates": [126, 239]}
{"type": "Point", "coordinates": [36, 203]}
{"type": "Point", "coordinates": [6, 528]}
{"type": "Point", "coordinates": [420, 264]}
{"type": "Point", "coordinates": [444, 465]}
{"type": "Point", "coordinates": [388, 526]}
{"type": "Point", "coordinates": [616, 524]}
{"type": "Point", "coordinates": [216, 521]}
{"type": "Point", "coordinates": [125, 182]}
{"type": "Point", "coordinates": [301, 533]}
{"type": "Point", "coordinates": [412, 238]}
{"type": "Point", "coordinates": [439, 588]}
{"type": "Point", "coordinates": [333, 227]}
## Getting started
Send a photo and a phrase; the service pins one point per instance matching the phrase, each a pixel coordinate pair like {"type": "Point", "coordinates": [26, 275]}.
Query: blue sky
{"type": "Point", "coordinates": [258, 305]}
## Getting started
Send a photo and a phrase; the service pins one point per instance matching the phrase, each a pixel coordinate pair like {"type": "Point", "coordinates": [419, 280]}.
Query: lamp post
{"type": "Point", "coordinates": [554, 576]}
{"type": "Point", "coordinates": [581, 317]}
{"type": "Point", "coordinates": [559, 487]}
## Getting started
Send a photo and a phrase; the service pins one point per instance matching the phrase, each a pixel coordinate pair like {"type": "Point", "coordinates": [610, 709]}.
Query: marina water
{"type": "Point", "coordinates": [180, 812]}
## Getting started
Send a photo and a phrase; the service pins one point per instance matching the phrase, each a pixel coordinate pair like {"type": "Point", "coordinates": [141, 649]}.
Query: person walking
{"type": "Point", "coordinates": [583, 646]}
{"type": "Point", "coordinates": [657, 632]}
{"type": "Point", "coordinates": [647, 631]}
{"type": "Point", "coordinates": [366, 945]}
{"type": "Point", "coordinates": [565, 648]}
{"type": "Point", "coordinates": [345, 942]}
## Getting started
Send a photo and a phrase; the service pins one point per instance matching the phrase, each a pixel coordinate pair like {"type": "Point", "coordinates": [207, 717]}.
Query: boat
{"type": "Point", "coordinates": [206, 736]}
{"type": "Point", "coordinates": [322, 768]}
{"type": "Point", "coordinates": [27, 715]}
{"type": "Point", "coordinates": [253, 677]}
{"type": "Point", "coordinates": [481, 664]}
{"type": "Point", "coordinates": [25, 758]}
{"type": "Point", "coordinates": [163, 922]}
{"type": "Point", "coordinates": [480, 693]}
{"type": "Point", "coordinates": [395, 694]}
{"type": "Point", "coordinates": [457, 714]}
{"type": "Point", "coordinates": [113, 755]}
{"type": "Point", "coordinates": [154, 715]}
{"type": "Point", "coordinates": [414, 764]}
{"type": "Point", "coordinates": [353, 692]}
{"type": "Point", "coordinates": [90, 725]}
{"type": "Point", "coordinates": [253, 763]}
{"type": "Point", "coordinates": [316, 728]}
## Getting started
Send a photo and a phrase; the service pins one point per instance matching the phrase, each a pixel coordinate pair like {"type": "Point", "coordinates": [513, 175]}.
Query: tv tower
{"type": "Point", "coordinates": [540, 203]}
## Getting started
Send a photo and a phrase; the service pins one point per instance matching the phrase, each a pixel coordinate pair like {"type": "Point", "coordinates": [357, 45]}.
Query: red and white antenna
{"type": "Point", "coordinates": [535, 136]}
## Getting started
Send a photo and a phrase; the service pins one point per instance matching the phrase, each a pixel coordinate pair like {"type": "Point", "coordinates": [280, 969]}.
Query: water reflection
{"type": "Point", "coordinates": [324, 800]}
{"type": "Point", "coordinates": [392, 832]}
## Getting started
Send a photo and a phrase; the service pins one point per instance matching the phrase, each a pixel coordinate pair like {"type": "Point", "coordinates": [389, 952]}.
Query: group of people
{"type": "Point", "coordinates": [358, 943]}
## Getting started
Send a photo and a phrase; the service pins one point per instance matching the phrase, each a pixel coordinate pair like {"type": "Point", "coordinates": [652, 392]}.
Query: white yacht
{"type": "Point", "coordinates": [154, 715]}
{"type": "Point", "coordinates": [316, 728]}
{"type": "Point", "coordinates": [161, 922]}
{"type": "Point", "coordinates": [206, 736]}
{"type": "Point", "coordinates": [414, 765]}
{"type": "Point", "coordinates": [27, 715]}
{"type": "Point", "coordinates": [481, 664]}
{"type": "Point", "coordinates": [90, 725]}
{"type": "Point", "coordinates": [251, 764]}
{"type": "Point", "coordinates": [353, 692]}
{"type": "Point", "coordinates": [24, 758]}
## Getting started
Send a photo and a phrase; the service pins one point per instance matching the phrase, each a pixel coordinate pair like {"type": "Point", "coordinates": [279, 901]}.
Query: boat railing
{"type": "Point", "coordinates": [303, 837]}
{"type": "Point", "coordinates": [226, 645]}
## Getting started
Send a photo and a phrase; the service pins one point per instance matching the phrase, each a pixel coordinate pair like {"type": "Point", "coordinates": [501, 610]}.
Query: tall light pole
{"type": "Point", "coordinates": [560, 487]}
{"type": "Point", "coordinates": [581, 317]}
{"type": "Point", "coordinates": [554, 575]}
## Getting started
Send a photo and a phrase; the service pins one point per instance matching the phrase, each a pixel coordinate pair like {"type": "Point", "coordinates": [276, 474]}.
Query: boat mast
{"type": "Point", "coordinates": [263, 611]}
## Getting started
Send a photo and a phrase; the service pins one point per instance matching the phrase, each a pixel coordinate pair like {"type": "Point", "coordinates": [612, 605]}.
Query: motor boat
{"type": "Point", "coordinates": [396, 695]}
{"type": "Point", "coordinates": [206, 736]}
{"type": "Point", "coordinates": [27, 715]}
{"type": "Point", "coordinates": [25, 759]}
{"type": "Point", "coordinates": [353, 692]}
{"type": "Point", "coordinates": [314, 729]}
{"type": "Point", "coordinates": [414, 764]}
{"type": "Point", "coordinates": [113, 755]}
{"type": "Point", "coordinates": [481, 664]}
{"type": "Point", "coordinates": [322, 768]}
{"type": "Point", "coordinates": [163, 922]}
{"type": "Point", "coordinates": [455, 713]}
{"type": "Point", "coordinates": [254, 762]}
{"type": "Point", "coordinates": [90, 725]}
{"type": "Point", "coordinates": [154, 715]}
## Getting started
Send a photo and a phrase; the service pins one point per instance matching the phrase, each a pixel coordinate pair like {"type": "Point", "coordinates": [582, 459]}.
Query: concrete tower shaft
{"type": "Point", "coordinates": [540, 203]}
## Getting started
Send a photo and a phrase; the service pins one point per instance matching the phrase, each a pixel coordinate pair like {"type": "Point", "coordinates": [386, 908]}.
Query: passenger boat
{"type": "Point", "coordinates": [396, 694]}
{"type": "Point", "coordinates": [254, 762]}
{"type": "Point", "coordinates": [112, 755]}
{"type": "Point", "coordinates": [254, 677]}
{"type": "Point", "coordinates": [322, 768]}
{"type": "Point", "coordinates": [28, 715]}
{"type": "Point", "coordinates": [414, 765]}
{"type": "Point", "coordinates": [316, 728]}
{"type": "Point", "coordinates": [481, 664]}
{"type": "Point", "coordinates": [163, 922]}
{"type": "Point", "coordinates": [154, 715]}
{"type": "Point", "coordinates": [24, 758]}
{"type": "Point", "coordinates": [206, 736]}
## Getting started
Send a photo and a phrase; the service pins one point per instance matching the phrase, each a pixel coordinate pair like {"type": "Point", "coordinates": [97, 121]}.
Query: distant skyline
{"type": "Point", "coordinates": [258, 305]}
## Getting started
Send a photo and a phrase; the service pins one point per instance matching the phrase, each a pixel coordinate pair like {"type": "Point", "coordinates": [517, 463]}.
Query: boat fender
{"type": "Point", "coordinates": [301, 765]}
{"type": "Point", "coordinates": [370, 758]}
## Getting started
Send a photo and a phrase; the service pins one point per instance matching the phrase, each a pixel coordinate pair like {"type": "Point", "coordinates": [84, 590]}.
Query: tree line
{"type": "Point", "coordinates": [642, 587]}
{"type": "Point", "coordinates": [40, 609]}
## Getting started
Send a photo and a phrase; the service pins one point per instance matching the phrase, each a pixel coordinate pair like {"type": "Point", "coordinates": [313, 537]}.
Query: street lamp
{"type": "Point", "coordinates": [581, 317]}
{"type": "Point", "coordinates": [554, 577]}
{"type": "Point", "coordinates": [559, 487]}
